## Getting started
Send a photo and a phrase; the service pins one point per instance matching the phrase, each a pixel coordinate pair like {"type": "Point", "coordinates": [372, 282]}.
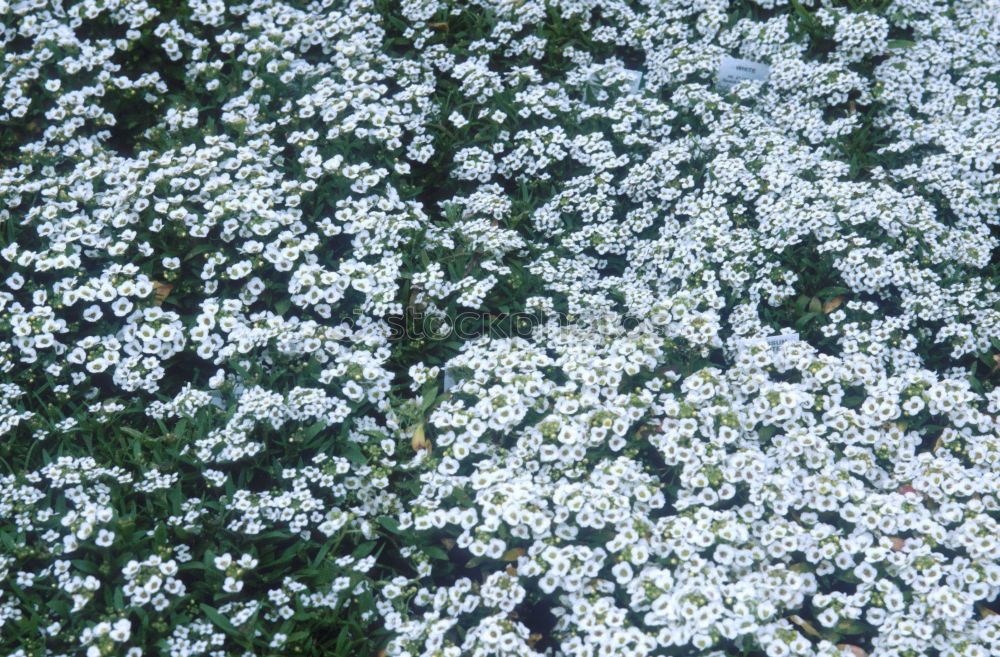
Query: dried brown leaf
{"type": "Point", "coordinates": [512, 554]}
{"type": "Point", "coordinates": [161, 290]}
{"type": "Point", "coordinates": [832, 304]}
{"type": "Point", "coordinates": [806, 626]}
{"type": "Point", "coordinates": [419, 440]}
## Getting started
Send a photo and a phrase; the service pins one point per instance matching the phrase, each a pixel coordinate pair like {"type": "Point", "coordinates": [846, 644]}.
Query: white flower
{"type": "Point", "coordinates": [622, 572]}
{"type": "Point", "coordinates": [232, 585]}
{"type": "Point", "coordinates": [223, 561]}
{"type": "Point", "coordinates": [121, 631]}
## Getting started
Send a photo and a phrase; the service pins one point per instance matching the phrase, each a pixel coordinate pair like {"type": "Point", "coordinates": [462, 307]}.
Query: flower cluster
{"type": "Point", "coordinates": [235, 240]}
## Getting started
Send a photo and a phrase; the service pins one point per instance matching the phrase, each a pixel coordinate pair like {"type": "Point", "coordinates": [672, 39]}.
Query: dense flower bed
{"type": "Point", "coordinates": [433, 329]}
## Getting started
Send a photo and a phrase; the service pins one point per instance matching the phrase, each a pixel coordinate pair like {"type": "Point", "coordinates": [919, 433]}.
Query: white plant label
{"type": "Point", "coordinates": [733, 70]}
{"type": "Point", "coordinates": [775, 341]}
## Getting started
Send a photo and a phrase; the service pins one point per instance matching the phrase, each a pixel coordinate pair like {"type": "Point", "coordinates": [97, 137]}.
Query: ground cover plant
{"type": "Point", "coordinates": [430, 328]}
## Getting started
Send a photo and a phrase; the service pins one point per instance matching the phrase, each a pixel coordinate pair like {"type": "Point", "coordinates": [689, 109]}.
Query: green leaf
{"type": "Point", "coordinates": [85, 566]}
{"type": "Point", "coordinates": [434, 552]}
{"type": "Point", "coordinates": [290, 553]}
{"type": "Point", "coordinates": [808, 19]}
{"type": "Point", "coordinates": [897, 44]}
{"type": "Point", "coordinates": [296, 636]}
{"type": "Point", "coordinates": [135, 434]}
{"type": "Point", "coordinates": [800, 304]}
{"type": "Point", "coordinates": [318, 559]}
{"type": "Point", "coordinates": [767, 432]}
{"type": "Point", "coordinates": [805, 319]}
{"type": "Point", "coordinates": [430, 396]}
{"type": "Point", "coordinates": [852, 401]}
{"type": "Point", "coordinates": [312, 430]}
{"type": "Point", "coordinates": [848, 626]}
{"type": "Point", "coordinates": [391, 524]}
{"type": "Point", "coordinates": [219, 620]}
{"type": "Point", "coordinates": [364, 549]}
{"type": "Point", "coordinates": [199, 249]}
{"type": "Point", "coordinates": [353, 453]}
